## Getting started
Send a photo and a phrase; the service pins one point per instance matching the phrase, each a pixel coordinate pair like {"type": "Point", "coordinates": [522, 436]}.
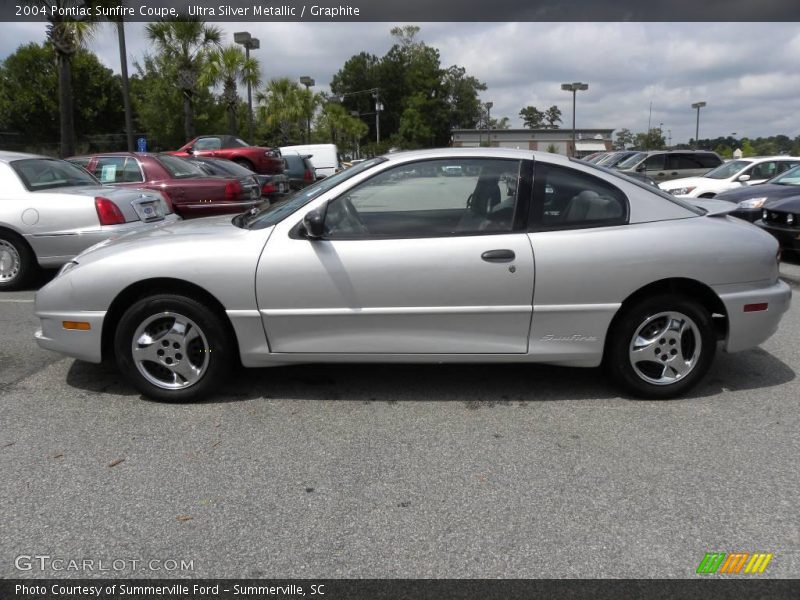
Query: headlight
{"type": "Point", "coordinates": [765, 214]}
{"type": "Point", "coordinates": [752, 203]}
{"type": "Point", "coordinates": [684, 191]}
{"type": "Point", "coordinates": [790, 219]}
{"type": "Point", "coordinates": [67, 268]}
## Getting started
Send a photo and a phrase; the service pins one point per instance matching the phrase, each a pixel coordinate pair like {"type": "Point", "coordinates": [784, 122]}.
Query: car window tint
{"type": "Point", "coordinates": [132, 173]}
{"type": "Point", "coordinates": [48, 173]}
{"type": "Point", "coordinates": [708, 160]}
{"type": "Point", "coordinates": [575, 199]}
{"type": "Point", "coordinates": [428, 199]}
{"type": "Point", "coordinates": [785, 165]}
{"type": "Point", "coordinates": [207, 143]}
{"type": "Point", "coordinates": [764, 170]}
{"type": "Point", "coordinates": [683, 162]}
{"type": "Point", "coordinates": [654, 163]}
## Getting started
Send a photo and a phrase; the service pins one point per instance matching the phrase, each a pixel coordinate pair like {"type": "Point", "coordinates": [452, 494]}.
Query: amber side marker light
{"type": "Point", "coordinates": [756, 307]}
{"type": "Point", "coordinates": [76, 325]}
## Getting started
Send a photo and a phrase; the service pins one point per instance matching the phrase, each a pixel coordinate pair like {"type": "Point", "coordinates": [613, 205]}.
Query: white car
{"type": "Point", "coordinates": [730, 176]}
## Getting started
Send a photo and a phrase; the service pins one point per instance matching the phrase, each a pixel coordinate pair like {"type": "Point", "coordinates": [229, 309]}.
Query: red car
{"type": "Point", "coordinates": [265, 161]}
{"type": "Point", "coordinates": [192, 192]}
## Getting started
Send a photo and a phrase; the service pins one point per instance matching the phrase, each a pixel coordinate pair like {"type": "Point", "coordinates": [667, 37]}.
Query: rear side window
{"type": "Point", "coordinates": [709, 161]}
{"type": "Point", "coordinates": [109, 169]}
{"type": "Point", "coordinates": [208, 143]}
{"type": "Point", "coordinates": [654, 163]}
{"type": "Point", "coordinates": [569, 199]}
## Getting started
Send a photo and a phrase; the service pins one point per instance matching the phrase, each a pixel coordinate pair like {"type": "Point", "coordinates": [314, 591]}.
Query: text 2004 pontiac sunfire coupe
{"type": "Point", "coordinates": [522, 257]}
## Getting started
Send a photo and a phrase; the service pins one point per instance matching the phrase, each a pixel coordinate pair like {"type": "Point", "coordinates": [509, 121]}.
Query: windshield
{"type": "Point", "coordinates": [275, 213]}
{"type": "Point", "coordinates": [179, 168]}
{"type": "Point", "coordinates": [728, 169]}
{"type": "Point", "coordinates": [631, 160]}
{"type": "Point", "coordinates": [49, 173]}
{"type": "Point", "coordinates": [655, 190]}
{"type": "Point", "coordinates": [791, 177]}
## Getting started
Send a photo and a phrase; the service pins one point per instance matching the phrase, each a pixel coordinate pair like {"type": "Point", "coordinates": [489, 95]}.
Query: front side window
{"type": "Point", "coordinates": [39, 174]}
{"type": "Point", "coordinates": [729, 169]}
{"type": "Point", "coordinates": [207, 144]}
{"type": "Point", "coordinates": [764, 170]}
{"type": "Point", "coordinates": [654, 162]}
{"type": "Point", "coordinates": [429, 199]}
{"type": "Point", "coordinates": [568, 199]}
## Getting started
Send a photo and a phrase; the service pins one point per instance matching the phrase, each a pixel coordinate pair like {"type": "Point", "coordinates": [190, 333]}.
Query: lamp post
{"type": "Point", "coordinates": [698, 106]}
{"type": "Point", "coordinates": [126, 94]}
{"type": "Point", "coordinates": [309, 83]}
{"type": "Point", "coordinates": [489, 106]}
{"type": "Point", "coordinates": [574, 87]}
{"type": "Point", "coordinates": [250, 43]}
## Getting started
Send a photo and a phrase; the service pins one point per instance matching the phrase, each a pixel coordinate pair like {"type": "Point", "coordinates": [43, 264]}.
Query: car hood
{"type": "Point", "coordinates": [770, 191]}
{"type": "Point", "coordinates": [790, 204]}
{"type": "Point", "coordinates": [198, 233]}
{"type": "Point", "coordinates": [684, 182]}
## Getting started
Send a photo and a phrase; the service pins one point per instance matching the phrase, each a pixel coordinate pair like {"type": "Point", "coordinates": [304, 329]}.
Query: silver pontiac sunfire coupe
{"type": "Point", "coordinates": [454, 255]}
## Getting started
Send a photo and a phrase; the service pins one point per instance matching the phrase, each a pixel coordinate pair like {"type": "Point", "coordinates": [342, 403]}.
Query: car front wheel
{"type": "Point", "coordinates": [661, 347]}
{"type": "Point", "coordinates": [173, 348]}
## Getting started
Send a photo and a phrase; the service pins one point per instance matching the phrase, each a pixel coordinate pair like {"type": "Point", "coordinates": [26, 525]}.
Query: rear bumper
{"type": "Point", "coordinates": [83, 345]}
{"type": "Point", "coordinates": [749, 329]}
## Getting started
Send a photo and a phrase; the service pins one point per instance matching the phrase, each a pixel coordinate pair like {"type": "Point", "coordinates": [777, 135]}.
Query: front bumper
{"type": "Point", "coordinates": [84, 345]}
{"type": "Point", "coordinates": [749, 329]}
{"type": "Point", "coordinates": [788, 237]}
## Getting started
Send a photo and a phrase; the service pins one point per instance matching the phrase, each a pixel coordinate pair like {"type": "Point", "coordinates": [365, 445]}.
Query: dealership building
{"type": "Point", "coordinates": [559, 141]}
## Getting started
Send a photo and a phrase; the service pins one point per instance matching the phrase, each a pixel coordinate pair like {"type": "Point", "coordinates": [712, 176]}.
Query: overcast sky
{"type": "Point", "coordinates": [747, 73]}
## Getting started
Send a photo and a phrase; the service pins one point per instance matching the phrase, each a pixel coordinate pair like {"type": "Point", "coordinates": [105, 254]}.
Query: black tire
{"type": "Point", "coordinates": [168, 321]}
{"type": "Point", "coordinates": [17, 262]}
{"type": "Point", "coordinates": [655, 372]}
{"type": "Point", "coordinates": [243, 162]}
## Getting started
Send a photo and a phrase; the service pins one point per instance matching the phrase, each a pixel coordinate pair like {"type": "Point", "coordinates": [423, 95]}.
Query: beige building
{"type": "Point", "coordinates": [587, 141]}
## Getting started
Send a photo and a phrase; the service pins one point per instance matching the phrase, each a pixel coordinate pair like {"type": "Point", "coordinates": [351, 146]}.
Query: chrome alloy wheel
{"type": "Point", "coordinates": [665, 348]}
{"type": "Point", "coordinates": [170, 351]}
{"type": "Point", "coordinates": [10, 261]}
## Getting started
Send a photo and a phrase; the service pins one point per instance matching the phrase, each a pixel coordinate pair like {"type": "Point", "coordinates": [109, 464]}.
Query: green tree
{"type": "Point", "coordinates": [625, 139]}
{"type": "Point", "coordinates": [29, 94]}
{"type": "Point", "coordinates": [461, 95]}
{"type": "Point", "coordinates": [552, 117]}
{"type": "Point", "coordinates": [501, 123]}
{"type": "Point", "coordinates": [185, 45]}
{"type": "Point", "coordinates": [336, 125]}
{"type": "Point", "coordinates": [747, 148]}
{"type": "Point", "coordinates": [532, 117]}
{"type": "Point", "coordinates": [281, 107]}
{"type": "Point", "coordinates": [653, 140]}
{"type": "Point", "coordinates": [229, 66]}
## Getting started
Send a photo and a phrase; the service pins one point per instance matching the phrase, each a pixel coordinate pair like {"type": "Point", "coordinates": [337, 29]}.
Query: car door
{"type": "Point", "coordinates": [413, 260]}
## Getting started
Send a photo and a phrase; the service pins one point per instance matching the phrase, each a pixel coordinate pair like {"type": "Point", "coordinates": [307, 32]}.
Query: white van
{"type": "Point", "coordinates": [324, 157]}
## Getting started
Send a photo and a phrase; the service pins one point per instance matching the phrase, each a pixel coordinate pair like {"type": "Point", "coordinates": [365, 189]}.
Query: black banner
{"type": "Point", "coordinates": [406, 10]}
{"type": "Point", "coordinates": [396, 589]}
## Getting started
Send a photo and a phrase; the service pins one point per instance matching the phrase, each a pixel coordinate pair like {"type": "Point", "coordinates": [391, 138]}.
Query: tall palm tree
{"type": "Point", "coordinates": [66, 35]}
{"type": "Point", "coordinates": [229, 66]}
{"type": "Point", "coordinates": [281, 105]}
{"type": "Point", "coordinates": [186, 44]}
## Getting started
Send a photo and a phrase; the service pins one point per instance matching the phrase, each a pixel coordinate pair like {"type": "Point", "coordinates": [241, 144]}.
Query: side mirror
{"type": "Point", "coordinates": [641, 169]}
{"type": "Point", "coordinates": [314, 224]}
{"type": "Point", "coordinates": [744, 178]}
{"type": "Point", "coordinates": [190, 150]}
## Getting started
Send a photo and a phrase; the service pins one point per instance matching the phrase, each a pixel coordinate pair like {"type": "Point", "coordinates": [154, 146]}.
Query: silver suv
{"type": "Point", "coordinates": [663, 165]}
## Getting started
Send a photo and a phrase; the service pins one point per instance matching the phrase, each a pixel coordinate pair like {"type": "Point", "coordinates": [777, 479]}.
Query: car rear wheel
{"type": "Point", "coordinates": [173, 348]}
{"type": "Point", "coordinates": [17, 264]}
{"type": "Point", "coordinates": [243, 162]}
{"type": "Point", "coordinates": [661, 347]}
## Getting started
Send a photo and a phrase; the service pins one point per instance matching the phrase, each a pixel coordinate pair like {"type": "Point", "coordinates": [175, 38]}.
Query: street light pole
{"type": "Point", "coordinates": [574, 87]}
{"type": "Point", "coordinates": [309, 83]}
{"type": "Point", "coordinates": [126, 93]}
{"type": "Point", "coordinates": [489, 106]}
{"type": "Point", "coordinates": [698, 106]}
{"type": "Point", "coordinates": [250, 43]}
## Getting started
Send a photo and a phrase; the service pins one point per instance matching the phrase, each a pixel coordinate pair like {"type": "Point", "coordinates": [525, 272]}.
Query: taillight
{"type": "Point", "coordinates": [308, 175]}
{"type": "Point", "coordinates": [108, 212]}
{"type": "Point", "coordinates": [233, 189]}
{"type": "Point", "coordinates": [167, 201]}
{"type": "Point", "coordinates": [268, 188]}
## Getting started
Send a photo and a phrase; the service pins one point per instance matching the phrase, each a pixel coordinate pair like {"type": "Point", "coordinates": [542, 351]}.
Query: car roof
{"type": "Point", "coordinates": [477, 153]}
{"type": "Point", "coordinates": [7, 156]}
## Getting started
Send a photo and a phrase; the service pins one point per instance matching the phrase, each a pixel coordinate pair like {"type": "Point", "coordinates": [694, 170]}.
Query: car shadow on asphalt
{"type": "Point", "coordinates": [477, 385]}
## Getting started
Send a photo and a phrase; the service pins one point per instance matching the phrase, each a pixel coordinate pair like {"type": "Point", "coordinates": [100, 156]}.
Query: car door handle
{"type": "Point", "coordinates": [674, 173]}
{"type": "Point", "coordinates": [498, 255]}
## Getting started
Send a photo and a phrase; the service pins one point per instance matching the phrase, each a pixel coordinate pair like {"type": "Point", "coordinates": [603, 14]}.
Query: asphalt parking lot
{"type": "Point", "coordinates": [398, 471]}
